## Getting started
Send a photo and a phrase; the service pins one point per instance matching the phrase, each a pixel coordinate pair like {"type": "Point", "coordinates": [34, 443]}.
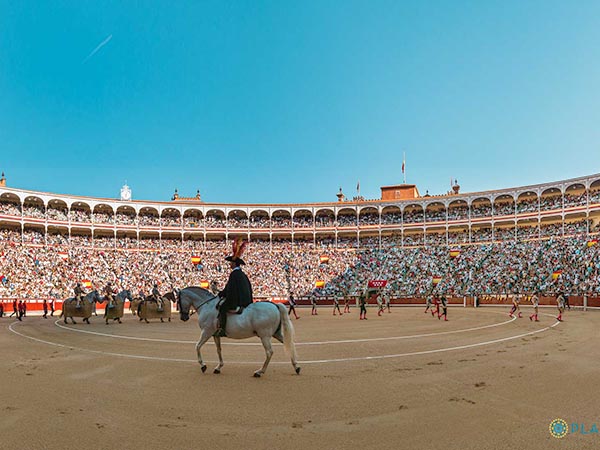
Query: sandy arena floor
{"type": "Point", "coordinates": [404, 380]}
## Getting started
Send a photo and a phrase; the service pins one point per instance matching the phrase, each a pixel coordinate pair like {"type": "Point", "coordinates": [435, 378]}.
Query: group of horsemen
{"type": "Point", "coordinates": [110, 292]}
{"type": "Point", "coordinates": [236, 295]}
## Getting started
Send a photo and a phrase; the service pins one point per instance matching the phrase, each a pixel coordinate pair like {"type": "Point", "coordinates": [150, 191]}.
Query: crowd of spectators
{"type": "Point", "coordinates": [502, 207]}
{"type": "Point", "coordinates": [34, 211]}
{"type": "Point", "coordinates": [37, 265]}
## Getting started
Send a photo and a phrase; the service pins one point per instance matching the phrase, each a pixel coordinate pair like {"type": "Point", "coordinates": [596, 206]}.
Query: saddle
{"type": "Point", "coordinates": [238, 310]}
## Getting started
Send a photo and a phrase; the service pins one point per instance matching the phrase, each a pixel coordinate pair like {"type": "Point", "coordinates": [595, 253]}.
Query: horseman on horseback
{"type": "Point", "coordinates": [237, 293]}
{"type": "Point", "coordinates": [79, 293]}
{"type": "Point", "coordinates": [109, 294]}
{"type": "Point", "coordinates": [157, 298]}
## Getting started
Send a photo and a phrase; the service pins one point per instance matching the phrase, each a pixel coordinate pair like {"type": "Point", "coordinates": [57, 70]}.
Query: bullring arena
{"type": "Point", "coordinates": [401, 379]}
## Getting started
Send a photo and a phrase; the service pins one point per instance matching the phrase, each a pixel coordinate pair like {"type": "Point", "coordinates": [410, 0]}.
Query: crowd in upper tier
{"type": "Point", "coordinates": [37, 265]}
{"type": "Point", "coordinates": [435, 212]}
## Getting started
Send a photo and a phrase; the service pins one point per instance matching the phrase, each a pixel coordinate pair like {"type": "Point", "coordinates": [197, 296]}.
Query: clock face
{"type": "Point", "coordinates": [125, 193]}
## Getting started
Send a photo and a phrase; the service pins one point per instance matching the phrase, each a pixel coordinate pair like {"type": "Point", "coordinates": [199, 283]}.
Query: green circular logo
{"type": "Point", "coordinates": [558, 428]}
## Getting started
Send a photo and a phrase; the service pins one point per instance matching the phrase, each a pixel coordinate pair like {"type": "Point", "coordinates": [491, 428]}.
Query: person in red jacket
{"type": "Point", "coordinates": [15, 310]}
{"type": "Point", "coordinates": [45, 307]}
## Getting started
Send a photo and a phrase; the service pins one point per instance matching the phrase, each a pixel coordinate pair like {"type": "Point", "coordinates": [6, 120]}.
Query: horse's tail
{"type": "Point", "coordinates": [288, 332]}
{"type": "Point", "coordinates": [62, 312]}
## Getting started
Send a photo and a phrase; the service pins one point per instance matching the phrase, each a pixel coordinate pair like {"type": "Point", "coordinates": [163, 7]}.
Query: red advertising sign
{"type": "Point", "coordinates": [377, 284]}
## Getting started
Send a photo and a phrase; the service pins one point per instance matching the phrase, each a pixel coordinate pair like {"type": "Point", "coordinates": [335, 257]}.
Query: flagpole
{"type": "Point", "coordinates": [404, 166]}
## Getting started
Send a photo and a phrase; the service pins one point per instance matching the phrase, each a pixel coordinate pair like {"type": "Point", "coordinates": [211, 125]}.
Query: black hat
{"type": "Point", "coordinates": [238, 249]}
{"type": "Point", "coordinates": [238, 261]}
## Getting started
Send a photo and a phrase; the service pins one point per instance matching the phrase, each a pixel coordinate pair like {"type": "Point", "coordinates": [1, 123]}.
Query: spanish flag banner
{"type": "Point", "coordinates": [319, 284]}
{"type": "Point", "coordinates": [324, 259]}
{"type": "Point", "coordinates": [86, 284]}
{"type": "Point", "coordinates": [63, 255]}
{"type": "Point", "coordinates": [436, 280]}
{"type": "Point", "coordinates": [592, 242]}
{"type": "Point", "coordinates": [454, 253]}
{"type": "Point", "coordinates": [204, 284]}
{"type": "Point", "coordinates": [196, 260]}
{"type": "Point", "coordinates": [556, 274]}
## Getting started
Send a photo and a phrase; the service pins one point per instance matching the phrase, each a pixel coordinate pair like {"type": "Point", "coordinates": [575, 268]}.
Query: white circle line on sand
{"type": "Point", "coordinates": [318, 361]}
{"type": "Point", "coordinates": [344, 341]}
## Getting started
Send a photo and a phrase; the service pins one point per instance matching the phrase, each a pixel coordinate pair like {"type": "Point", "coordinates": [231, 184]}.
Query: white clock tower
{"type": "Point", "coordinates": [125, 193]}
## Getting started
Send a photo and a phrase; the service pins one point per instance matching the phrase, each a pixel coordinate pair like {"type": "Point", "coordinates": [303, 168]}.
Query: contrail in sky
{"type": "Point", "coordinates": [100, 45]}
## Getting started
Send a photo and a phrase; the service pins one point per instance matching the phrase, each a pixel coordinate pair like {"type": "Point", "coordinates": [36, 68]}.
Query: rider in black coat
{"type": "Point", "coordinates": [238, 290]}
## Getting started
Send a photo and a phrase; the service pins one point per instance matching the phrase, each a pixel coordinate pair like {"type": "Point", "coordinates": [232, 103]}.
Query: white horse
{"type": "Point", "coordinates": [263, 319]}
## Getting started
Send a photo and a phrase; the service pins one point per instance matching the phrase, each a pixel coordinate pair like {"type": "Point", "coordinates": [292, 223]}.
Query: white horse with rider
{"type": "Point", "coordinates": [263, 319]}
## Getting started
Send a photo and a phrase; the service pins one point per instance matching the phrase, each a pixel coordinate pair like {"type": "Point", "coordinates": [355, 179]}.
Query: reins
{"type": "Point", "coordinates": [205, 302]}
{"type": "Point", "coordinates": [201, 304]}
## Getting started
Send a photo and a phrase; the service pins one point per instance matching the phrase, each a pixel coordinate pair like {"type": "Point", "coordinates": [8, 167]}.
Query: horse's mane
{"type": "Point", "coordinates": [198, 288]}
{"type": "Point", "coordinates": [196, 291]}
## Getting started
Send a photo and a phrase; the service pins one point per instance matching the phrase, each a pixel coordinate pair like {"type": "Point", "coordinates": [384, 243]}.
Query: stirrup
{"type": "Point", "coordinates": [220, 333]}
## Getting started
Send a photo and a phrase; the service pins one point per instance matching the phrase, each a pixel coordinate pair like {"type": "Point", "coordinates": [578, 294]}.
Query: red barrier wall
{"type": "Point", "coordinates": [37, 304]}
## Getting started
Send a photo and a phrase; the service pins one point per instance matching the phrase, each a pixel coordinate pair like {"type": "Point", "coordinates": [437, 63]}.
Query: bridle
{"type": "Point", "coordinates": [200, 305]}
{"type": "Point", "coordinates": [205, 302]}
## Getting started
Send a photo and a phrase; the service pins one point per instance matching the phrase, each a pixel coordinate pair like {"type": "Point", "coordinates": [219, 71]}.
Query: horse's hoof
{"type": "Point", "coordinates": [297, 370]}
{"type": "Point", "coordinates": [203, 369]}
{"type": "Point", "coordinates": [217, 371]}
{"type": "Point", "coordinates": [256, 374]}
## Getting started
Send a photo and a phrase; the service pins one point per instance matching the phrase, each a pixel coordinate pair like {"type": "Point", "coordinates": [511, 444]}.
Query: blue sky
{"type": "Point", "coordinates": [258, 102]}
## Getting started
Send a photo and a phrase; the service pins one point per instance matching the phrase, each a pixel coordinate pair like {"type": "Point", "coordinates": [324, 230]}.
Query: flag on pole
{"type": "Point", "coordinates": [196, 260]}
{"type": "Point", "coordinates": [592, 242]}
{"type": "Point", "coordinates": [86, 284]}
{"type": "Point", "coordinates": [323, 259]}
{"type": "Point", "coordinates": [63, 255]}
{"type": "Point", "coordinates": [204, 284]}
{"type": "Point", "coordinates": [404, 167]}
{"type": "Point", "coordinates": [319, 284]}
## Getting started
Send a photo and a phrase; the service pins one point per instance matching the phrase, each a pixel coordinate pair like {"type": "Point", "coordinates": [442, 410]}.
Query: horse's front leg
{"type": "Point", "coordinates": [218, 345]}
{"type": "Point", "coordinates": [204, 337]}
{"type": "Point", "coordinates": [266, 342]}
